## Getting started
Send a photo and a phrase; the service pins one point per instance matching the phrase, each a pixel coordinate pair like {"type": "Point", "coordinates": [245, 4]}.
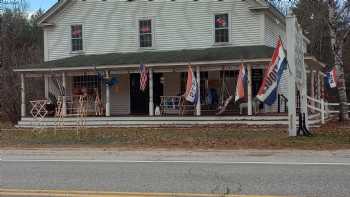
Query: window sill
{"type": "Point", "coordinates": [77, 52]}
{"type": "Point", "coordinates": [222, 44]}
{"type": "Point", "coordinates": [141, 49]}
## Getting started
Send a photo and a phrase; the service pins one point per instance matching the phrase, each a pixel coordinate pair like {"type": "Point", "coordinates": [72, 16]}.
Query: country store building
{"type": "Point", "coordinates": [95, 47]}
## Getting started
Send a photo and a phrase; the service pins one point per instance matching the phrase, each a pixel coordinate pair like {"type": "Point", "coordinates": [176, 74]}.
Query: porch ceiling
{"type": "Point", "coordinates": [153, 57]}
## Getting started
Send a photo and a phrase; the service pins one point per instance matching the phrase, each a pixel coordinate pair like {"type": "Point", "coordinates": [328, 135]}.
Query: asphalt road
{"type": "Point", "coordinates": [236, 172]}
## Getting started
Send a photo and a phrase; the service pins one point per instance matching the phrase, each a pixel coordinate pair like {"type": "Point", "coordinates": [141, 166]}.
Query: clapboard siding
{"type": "Point", "coordinates": [273, 29]}
{"type": "Point", "coordinates": [111, 26]}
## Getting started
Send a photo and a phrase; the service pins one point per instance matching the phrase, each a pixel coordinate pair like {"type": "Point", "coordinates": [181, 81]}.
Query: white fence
{"type": "Point", "coordinates": [325, 109]}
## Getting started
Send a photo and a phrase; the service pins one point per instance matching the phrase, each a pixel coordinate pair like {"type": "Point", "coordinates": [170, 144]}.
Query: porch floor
{"type": "Point", "coordinates": [155, 121]}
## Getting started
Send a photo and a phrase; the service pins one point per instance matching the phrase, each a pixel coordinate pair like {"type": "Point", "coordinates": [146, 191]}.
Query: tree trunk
{"type": "Point", "coordinates": [337, 49]}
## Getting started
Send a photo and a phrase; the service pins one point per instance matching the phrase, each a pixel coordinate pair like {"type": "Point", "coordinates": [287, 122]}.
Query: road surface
{"type": "Point", "coordinates": [282, 173]}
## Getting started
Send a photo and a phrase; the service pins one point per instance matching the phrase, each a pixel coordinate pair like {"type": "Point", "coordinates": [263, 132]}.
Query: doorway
{"type": "Point", "coordinates": [139, 100]}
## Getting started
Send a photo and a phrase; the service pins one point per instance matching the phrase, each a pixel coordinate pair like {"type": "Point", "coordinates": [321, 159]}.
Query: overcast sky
{"type": "Point", "coordinates": [37, 4]}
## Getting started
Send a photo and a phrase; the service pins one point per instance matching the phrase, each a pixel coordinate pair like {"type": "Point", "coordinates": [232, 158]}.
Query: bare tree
{"type": "Point", "coordinates": [20, 44]}
{"type": "Point", "coordinates": [337, 20]}
{"type": "Point", "coordinates": [339, 29]}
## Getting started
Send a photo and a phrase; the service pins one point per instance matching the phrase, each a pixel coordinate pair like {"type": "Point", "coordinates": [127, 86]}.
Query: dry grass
{"type": "Point", "coordinates": [229, 137]}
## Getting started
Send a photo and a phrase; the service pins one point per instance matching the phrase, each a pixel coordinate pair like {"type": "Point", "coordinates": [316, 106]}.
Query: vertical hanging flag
{"type": "Point", "coordinates": [191, 87]}
{"type": "Point", "coordinates": [268, 90]}
{"type": "Point", "coordinates": [331, 78]}
{"type": "Point", "coordinates": [241, 82]}
{"type": "Point", "coordinates": [143, 77]}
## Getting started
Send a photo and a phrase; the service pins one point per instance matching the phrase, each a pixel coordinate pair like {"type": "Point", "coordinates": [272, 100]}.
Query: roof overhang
{"type": "Point", "coordinates": [59, 5]}
{"type": "Point", "coordinates": [155, 65]}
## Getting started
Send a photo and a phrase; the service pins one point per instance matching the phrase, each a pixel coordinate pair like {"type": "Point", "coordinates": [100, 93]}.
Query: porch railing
{"type": "Point", "coordinates": [323, 107]}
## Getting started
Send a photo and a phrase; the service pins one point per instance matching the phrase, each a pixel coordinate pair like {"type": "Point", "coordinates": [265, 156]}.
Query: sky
{"type": "Point", "coordinates": [34, 5]}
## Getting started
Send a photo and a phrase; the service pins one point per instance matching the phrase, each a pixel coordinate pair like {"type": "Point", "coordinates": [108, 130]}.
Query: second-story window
{"type": "Point", "coordinates": [145, 31]}
{"type": "Point", "coordinates": [77, 37]}
{"type": "Point", "coordinates": [221, 28]}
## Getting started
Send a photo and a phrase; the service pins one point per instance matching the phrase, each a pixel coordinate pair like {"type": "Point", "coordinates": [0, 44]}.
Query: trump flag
{"type": "Point", "coordinates": [268, 90]}
{"type": "Point", "coordinates": [241, 82]}
{"type": "Point", "coordinates": [191, 94]}
{"type": "Point", "coordinates": [331, 78]}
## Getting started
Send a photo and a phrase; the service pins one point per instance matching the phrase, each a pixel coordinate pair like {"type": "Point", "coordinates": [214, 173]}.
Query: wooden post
{"type": "Point", "coordinates": [250, 103]}
{"type": "Point", "coordinates": [322, 111]}
{"type": "Point", "coordinates": [46, 81]}
{"type": "Point", "coordinates": [291, 42]}
{"type": "Point", "coordinates": [151, 102]}
{"type": "Point", "coordinates": [23, 96]}
{"type": "Point", "coordinates": [108, 96]}
{"type": "Point", "coordinates": [198, 105]}
{"type": "Point", "coordinates": [64, 100]}
{"type": "Point", "coordinates": [312, 89]}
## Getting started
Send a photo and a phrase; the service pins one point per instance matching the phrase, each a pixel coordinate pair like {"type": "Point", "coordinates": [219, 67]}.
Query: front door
{"type": "Point", "coordinates": [139, 100]}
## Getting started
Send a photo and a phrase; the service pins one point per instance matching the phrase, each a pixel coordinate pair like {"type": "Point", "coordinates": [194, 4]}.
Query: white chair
{"type": "Point", "coordinates": [255, 104]}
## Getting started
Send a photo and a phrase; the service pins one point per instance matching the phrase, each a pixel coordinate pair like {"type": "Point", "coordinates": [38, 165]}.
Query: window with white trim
{"type": "Point", "coordinates": [221, 28]}
{"type": "Point", "coordinates": [145, 33]}
{"type": "Point", "coordinates": [77, 37]}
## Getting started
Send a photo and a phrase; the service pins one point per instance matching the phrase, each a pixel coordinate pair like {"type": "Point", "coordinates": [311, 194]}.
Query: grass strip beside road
{"type": "Point", "coordinates": [60, 193]}
{"type": "Point", "coordinates": [329, 137]}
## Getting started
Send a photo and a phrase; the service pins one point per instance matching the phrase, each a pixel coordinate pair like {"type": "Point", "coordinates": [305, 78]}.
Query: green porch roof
{"type": "Point", "coordinates": [149, 57]}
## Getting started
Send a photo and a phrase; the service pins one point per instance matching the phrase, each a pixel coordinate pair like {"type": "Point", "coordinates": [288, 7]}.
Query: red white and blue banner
{"type": "Point", "coordinates": [191, 94]}
{"type": "Point", "coordinates": [268, 89]}
{"type": "Point", "coordinates": [331, 78]}
{"type": "Point", "coordinates": [143, 77]}
{"type": "Point", "coordinates": [241, 82]}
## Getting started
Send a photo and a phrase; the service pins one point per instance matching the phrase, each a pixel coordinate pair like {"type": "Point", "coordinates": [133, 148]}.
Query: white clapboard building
{"type": "Point", "coordinates": [93, 50]}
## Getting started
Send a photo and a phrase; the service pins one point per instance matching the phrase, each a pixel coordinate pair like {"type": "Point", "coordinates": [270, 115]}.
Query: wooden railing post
{"type": "Point", "coordinates": [322, 111]}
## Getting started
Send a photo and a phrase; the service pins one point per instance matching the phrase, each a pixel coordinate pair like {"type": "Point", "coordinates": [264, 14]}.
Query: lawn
{"type": "Point", "coordinates": [332, 136]}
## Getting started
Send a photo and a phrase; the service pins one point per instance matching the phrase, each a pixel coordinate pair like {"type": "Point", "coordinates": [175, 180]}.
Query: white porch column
{"type": "Point", "coordinates": [108, 96]}
{"type": "Point", "coordinates": [250, 103]}
{"type": "Point", "coordinates": [312, 88]}
{"type": "Point", "coordinates": [151, 103]}
{"type": "Point", "coordinates": [23, 96]}
{"type": "Point", "coordinates": [64, 100]}
{"type": "Point", "coordinates": [198, 105]}
{"type": "Point", "coordinates": [291, 45]}
{"type": "Point", "coordinates": [319, 85]}
{"type": "Point", "coordinates": [46, 81]}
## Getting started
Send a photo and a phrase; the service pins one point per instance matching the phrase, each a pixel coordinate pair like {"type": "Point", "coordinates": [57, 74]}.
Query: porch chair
{"type": "Point", "coordinates": [255, 104]}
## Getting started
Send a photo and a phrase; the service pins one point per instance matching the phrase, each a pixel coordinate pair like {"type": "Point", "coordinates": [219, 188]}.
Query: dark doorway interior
{"type": "Point", "coordinates": [139, 100]}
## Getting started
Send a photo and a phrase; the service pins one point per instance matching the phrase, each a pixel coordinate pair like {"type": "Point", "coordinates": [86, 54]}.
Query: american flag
{"type": "Point", "coordinates": [143, 77]}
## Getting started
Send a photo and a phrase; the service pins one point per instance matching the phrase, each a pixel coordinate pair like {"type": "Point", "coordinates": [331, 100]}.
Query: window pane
{"type": "Point", "coordinates": [221, 35]}
{"type": "Point", "coordinates": [221, 21]}
{"type": "Point", "coordinates": [77, 37]}
{"type": "Point", "coordinates": [146, 40]}
{"type": "Point", "coordinates": [77, 44]}
{"type": "Point", "coordinates": [145, 26]}
{"type": "Point", "coordinates": [145, 31]}
{"type": "Point", "coordinates": [76, 31]}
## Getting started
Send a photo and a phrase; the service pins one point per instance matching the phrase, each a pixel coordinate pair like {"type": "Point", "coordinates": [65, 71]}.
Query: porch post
{"type": "Point", "coordinates": [46, 81]}
{"type": "Point", "coordinates": [64, 100]}
{"type": "Point", "coordinates": [108, 96]}
{"type": "Point", "coordinates": [151, 104]}
{"type": "Point", "coordinates": [318, 85]}
{"type": "Point", "coordinates": [198, 105]}
{"type": "Point", "coordinates": [250, 103]}
{"type": "Point", "coordinates": [313, 88]}
{"type": "Point", "coordinates": [23, 97]}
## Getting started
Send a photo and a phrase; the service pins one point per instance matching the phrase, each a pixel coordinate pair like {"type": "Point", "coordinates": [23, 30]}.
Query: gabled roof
{"type": "Point", "coordinates": [59, 5]}
{"type": "Point", "coordinates": [155, 57]}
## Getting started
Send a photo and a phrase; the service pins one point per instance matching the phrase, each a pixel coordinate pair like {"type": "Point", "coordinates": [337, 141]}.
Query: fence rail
{"type": "Point", "coordinates": [323, 107]}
